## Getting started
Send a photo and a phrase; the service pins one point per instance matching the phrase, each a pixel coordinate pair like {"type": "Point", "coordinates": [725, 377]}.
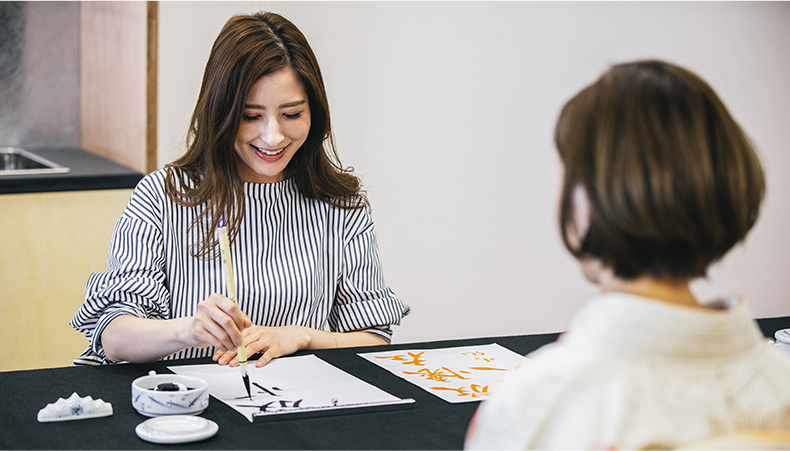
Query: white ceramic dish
{"type": "Point", "coordinates": [191, 399]}
{"type": "Point", "coordinates": [176, 429]}
{"type": "Point", "coordinates": [74, 408]}
{"type": "Point", "coordinates": [783, 339]}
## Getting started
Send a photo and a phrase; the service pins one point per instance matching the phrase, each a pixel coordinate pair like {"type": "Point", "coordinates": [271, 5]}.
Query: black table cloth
{"type": "Point", "coordinates": [430, 423]}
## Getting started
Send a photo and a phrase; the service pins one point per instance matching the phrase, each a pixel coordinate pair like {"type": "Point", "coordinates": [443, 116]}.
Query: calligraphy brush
{"type": "Point", "coordinates": [227, 270]}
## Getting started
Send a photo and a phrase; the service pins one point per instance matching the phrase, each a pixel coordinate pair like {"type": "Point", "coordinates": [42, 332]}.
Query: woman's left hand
{"type": "Point", "coordinates": [279, 341]}
{"type": "Point", "coordinates": [272, 341]}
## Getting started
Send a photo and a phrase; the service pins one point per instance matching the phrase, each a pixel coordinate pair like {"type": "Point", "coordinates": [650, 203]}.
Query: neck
{"type": "Point", "coordinates": [670, 291]}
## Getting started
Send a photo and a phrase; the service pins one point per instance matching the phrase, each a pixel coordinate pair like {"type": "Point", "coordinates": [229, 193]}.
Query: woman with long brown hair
{"type": "Point", "coordinates": [260, 158]}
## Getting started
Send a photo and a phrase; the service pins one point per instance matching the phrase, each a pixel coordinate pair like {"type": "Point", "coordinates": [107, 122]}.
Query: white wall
{"type": "Point", "coordinates": [447, 110]}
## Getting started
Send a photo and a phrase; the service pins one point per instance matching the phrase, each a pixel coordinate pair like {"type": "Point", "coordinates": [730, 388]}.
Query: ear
{"type": "Point", "coordinates": [581, 212]}
{"type": "Point", "coordinates": [592, 268]}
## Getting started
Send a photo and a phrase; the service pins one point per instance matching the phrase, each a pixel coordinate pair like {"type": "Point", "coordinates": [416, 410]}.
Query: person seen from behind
{"type": "Point", "coordinates": [659, 182]}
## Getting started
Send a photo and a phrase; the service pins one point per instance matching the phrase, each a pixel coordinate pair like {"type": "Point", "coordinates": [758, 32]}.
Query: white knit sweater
{"type": "Point", "coordinates": [634, 373]}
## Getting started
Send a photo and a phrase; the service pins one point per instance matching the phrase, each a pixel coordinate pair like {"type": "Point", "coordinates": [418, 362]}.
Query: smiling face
{"type": "Point", "coordinates": [274, 125]}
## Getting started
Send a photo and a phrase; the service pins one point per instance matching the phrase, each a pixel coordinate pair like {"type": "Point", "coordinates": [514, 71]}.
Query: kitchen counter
{"type": "Point", "coordinates": [88, 172]}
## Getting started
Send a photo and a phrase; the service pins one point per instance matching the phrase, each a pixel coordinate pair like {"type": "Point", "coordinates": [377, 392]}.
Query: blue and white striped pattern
{"type": "Point", "coordinates": [296, 261]}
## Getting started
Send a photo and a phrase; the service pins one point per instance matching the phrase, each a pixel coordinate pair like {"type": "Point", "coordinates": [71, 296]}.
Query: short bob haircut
{"type": "Point", "coordinates": [671, 179]}
{"type": "Point", "coordinates": [247, 48]}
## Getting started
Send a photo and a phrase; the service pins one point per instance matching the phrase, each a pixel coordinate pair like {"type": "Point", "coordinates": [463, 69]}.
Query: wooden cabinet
{"type": "Point", "coordinates": [51, 243]}
{"type": "Point", "coordinates": [118, 65]}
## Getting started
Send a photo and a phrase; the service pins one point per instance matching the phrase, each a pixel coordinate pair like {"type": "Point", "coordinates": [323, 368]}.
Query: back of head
{"type": "Point", "coordinates": [672, 181]}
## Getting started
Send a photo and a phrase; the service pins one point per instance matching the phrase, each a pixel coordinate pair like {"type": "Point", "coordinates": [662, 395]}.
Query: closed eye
{"type": "Point", "coordinates": [250, 118]}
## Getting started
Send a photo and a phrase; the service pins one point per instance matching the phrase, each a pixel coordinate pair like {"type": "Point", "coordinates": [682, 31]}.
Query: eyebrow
{"type": "Point", "coordinates": [284, 105]}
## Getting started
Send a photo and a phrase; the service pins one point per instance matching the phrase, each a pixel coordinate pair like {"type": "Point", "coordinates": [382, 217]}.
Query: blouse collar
{"type": "Point", "coordinates": [269, 191]}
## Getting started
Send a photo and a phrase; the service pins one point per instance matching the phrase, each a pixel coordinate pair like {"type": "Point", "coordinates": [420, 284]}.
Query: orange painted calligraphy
{"type": "Point", "coordinates": [443, 374]}
{"type": "Point", "coordinates": [415, 358]}
{"type": "Point", "coordinates": [474, 391]}
{"type": "Point", "coordinates": [479, 355]}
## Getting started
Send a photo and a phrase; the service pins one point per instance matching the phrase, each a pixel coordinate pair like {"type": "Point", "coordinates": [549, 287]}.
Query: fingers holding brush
{"type": "Point", "coordinates": [219, 322]}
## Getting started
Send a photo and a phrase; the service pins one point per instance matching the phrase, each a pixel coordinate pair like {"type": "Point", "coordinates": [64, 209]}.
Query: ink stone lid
{"type": "Point", "coordinates": [176, 429]}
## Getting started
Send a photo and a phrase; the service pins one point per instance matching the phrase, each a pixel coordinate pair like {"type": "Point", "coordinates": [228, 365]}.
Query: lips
{"type": "Point", "coordinates": [269, 154]}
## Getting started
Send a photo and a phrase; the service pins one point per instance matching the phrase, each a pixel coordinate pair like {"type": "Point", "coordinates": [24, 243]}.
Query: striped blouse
{"type": "Point", "coordinates": [296, 261]}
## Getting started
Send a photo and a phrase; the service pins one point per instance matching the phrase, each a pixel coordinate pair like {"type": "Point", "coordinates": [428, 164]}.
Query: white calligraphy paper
{"type": "Point", "coordinates": [460, 374]}
{"type": "Point", "coordinates": [299, 384]}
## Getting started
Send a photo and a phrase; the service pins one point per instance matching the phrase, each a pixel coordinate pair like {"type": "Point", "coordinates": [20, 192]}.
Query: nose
{"type": "Point", "coordinates": [271, 133]}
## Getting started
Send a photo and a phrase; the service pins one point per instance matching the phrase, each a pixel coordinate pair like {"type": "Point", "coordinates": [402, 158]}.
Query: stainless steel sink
{"type": "Point", "coordinates": [18, 161]}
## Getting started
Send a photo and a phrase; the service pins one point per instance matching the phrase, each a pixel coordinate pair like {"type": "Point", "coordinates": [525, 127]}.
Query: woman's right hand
{"type": "Point", "coordinates": [218, 322]}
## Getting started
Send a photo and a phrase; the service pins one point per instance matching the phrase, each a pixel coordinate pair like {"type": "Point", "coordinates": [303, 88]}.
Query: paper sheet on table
{"type": "Point", "coordinates": [460, 374]}
{"type": "Point", "coordinates": [299, 384]}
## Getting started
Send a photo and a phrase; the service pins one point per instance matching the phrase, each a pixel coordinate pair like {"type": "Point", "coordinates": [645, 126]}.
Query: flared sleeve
{"type": "Point", "coordinates": [363, 301]}
{"type": "Point", "coordinates": [134, 281]}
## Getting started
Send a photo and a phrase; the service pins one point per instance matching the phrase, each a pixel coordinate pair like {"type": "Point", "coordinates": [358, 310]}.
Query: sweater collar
{"type": "Point", "coordinates": [634, 325]}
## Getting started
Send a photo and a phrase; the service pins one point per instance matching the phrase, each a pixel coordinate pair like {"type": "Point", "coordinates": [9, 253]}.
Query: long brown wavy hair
{"type": "Point", "coordinates": [250, 47]}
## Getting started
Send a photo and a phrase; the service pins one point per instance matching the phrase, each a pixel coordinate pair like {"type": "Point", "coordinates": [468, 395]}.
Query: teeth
{"type": "Point", "coordinates": [269, 152]}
